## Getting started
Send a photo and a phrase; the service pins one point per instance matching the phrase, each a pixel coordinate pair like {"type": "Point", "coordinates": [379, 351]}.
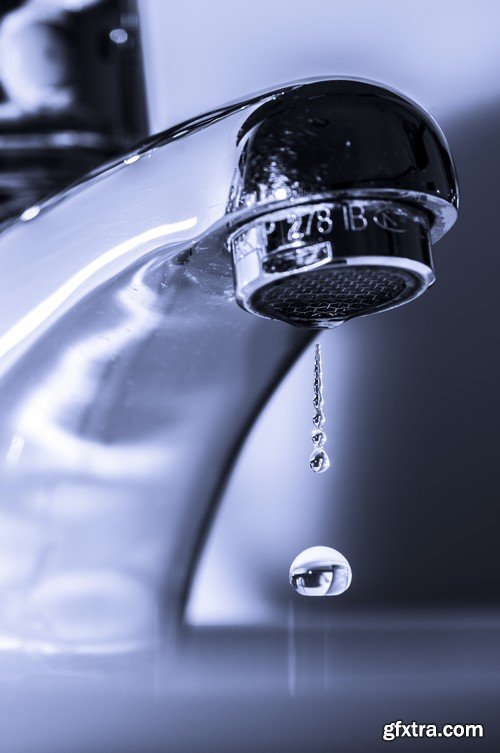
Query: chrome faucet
{"type": "Point", "coordinates": [129, 377]}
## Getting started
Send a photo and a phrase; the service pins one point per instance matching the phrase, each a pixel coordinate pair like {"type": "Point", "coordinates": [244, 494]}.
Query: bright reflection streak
{"type": "Point", "coordinates": [29, 323]}
{"type": "Point", "coordinates": [15, 450]}
{"type": "Point", "coordinates": [30, 213]}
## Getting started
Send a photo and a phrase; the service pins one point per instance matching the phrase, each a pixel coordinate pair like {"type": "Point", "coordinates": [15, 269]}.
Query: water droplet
{"type": "Point", "coordinates": [320, 571]}
{"type": "Point", "coordinates": [318, 419]}
{"type": "Point", "coordinates": [281, 193]}
{"type": "Point", "coordinates": [118, 36]}
{"type": "Point", "coordinates": [318, 438]}
{"type": "Point", "coordinates": [319, 460]}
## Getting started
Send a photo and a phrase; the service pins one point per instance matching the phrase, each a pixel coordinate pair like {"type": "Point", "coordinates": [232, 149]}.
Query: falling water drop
{"type": "Point", "coordinates": [320, 571]}
{"type": "Point", "coordinates": [318, 438]}
{"type": "Point", "coordinates": [319, 462]}
{"type": "Point", "coordinates": [318, 420]}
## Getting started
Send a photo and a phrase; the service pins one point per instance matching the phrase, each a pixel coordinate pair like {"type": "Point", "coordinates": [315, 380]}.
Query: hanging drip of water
{"type": "Point", "coordinates": [319, 462]}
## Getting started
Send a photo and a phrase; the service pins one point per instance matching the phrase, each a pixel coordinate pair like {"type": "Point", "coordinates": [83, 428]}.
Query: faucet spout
{"type": "Point", "coordinates": [129, 378]}
{"type": "Point", "coordinates": [128, 375]}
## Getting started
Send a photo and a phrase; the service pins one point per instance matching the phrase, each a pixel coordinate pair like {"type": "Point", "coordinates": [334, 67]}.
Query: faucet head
{"type": "Point", "coordinates": [341, 190]}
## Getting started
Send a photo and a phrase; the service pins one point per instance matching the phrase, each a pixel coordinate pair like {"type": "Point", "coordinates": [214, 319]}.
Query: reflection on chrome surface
{"type": "Point", "coordinates": [123, 354]}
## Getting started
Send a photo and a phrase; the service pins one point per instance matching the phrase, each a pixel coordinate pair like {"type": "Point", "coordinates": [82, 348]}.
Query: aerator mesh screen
{"type": "Point", "coordinates": [334, 294]}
